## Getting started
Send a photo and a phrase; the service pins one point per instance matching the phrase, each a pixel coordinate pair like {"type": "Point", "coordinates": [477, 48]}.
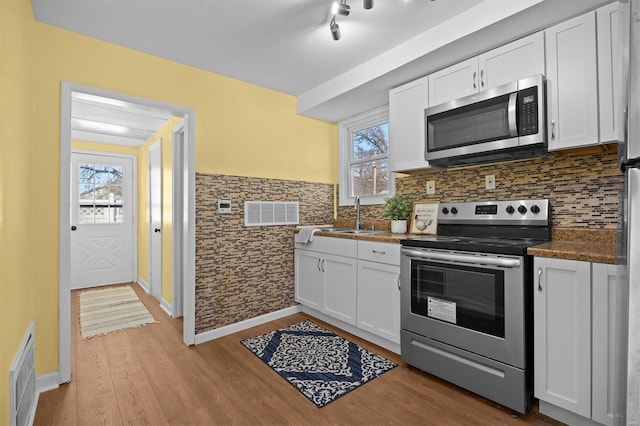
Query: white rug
{"type": "Point", "coordinates": [106, 310]}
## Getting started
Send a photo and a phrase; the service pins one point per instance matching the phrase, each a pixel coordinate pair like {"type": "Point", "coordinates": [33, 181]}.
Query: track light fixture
{"type": "Point", "coordinates": [341, 8]}
{"type": "Point", "coordinates": [335, 29]}
{"type": "Point", "coordinates": [368, 4]}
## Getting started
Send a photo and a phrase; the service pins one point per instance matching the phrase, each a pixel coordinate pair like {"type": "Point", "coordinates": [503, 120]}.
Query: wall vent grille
{"type": "Point", "coordinates": [268, 213]}
{"type": "Point", "coordinates": [22, 382]}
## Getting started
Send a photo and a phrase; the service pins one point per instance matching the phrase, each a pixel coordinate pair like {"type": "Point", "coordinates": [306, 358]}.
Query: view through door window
{"type": "Point", "coordinates": [100, 198]}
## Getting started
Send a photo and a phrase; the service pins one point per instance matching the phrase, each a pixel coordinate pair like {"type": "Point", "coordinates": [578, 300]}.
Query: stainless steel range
{"type": "Point", "coordinates": [466, 306]}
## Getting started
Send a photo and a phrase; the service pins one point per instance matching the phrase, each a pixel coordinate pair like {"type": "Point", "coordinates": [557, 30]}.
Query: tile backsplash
{"type": "Point", "coordinates": [243, 272]}
{"type": "Point", "coordinates": [582, 189]}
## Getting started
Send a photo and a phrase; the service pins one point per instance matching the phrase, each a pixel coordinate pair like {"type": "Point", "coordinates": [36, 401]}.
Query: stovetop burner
{"type": "Point", "coordinates": [502, 227]}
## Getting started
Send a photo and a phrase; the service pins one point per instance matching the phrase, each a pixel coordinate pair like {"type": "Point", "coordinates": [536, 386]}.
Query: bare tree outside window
{"type": "Point", "coordinates": [370, 165]}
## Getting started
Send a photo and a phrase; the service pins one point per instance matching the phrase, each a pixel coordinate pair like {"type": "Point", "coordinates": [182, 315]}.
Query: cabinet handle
{"type": "Point", "coordinates": [482, 78]}
{"type": "Point", "coordinates": [474, 80]}
{"type": "Point", "coordinates": [553, 130]}
{"type": "Point", "coordinates": [319, 264]}
{"type": "Point", "coordinates": [379, 252]}
{"type": "Point", "coordinates": [322, 265]}
{"type": "Point", "coordinates": [539, 279]}
{"type": "Point", "coordinates": [399, 286]}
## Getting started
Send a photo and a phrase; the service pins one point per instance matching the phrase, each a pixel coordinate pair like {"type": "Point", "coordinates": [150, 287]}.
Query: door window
{"type": "Point", "coordinates": [100, 193]}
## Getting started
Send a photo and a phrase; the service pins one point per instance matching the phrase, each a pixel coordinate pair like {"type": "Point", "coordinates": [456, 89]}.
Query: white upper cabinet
{"type": "Point", "coordinates": [572, 83]}
{"type": "Point", "coordinates": [454, 82]}
{"type": "Point", "coordinates": [514, 61]}
{"type": "Point", "coordinates": [505, 64]}
{"type": "Point", "coordinates": [609, 79]}
{"type": "Point", "coordinates": [406, 125]}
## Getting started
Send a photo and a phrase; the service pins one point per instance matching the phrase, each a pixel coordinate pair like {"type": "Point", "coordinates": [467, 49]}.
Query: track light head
{"type": "Point", "coordinates": [341, 8]}
{"type": "Point", "coordinates": [368, 4]}
{"type": "Point", "coordinates": [335, 29]}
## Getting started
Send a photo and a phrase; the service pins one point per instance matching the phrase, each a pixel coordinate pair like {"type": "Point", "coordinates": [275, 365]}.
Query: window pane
{"type": "Point", "coordinates": [370, 178]}
{"type": "Point", "coordinates": [371, 142]}
{"type": "Point", "coordinates": [100, 193]}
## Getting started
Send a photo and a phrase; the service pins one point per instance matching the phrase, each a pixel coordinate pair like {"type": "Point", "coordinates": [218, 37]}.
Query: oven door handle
{"type": "Point", "coordinates": [454, 257]}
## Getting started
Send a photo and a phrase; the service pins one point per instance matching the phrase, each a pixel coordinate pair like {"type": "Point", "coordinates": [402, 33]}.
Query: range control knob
{"type": "Point", "coordinates": [445, 210]}
{"type": "Point", "coordinates": [510, 209]}
{"type": "Point", "coordinates": [535, 209]}
{"type": "Point", "coordinates": [454, 210]}
{"type": "Point", "coordinates": [522, 209]}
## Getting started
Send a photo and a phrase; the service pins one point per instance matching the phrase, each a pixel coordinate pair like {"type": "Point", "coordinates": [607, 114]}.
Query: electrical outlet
{"type": "Point", "coordinates": [490, 181]}
{"type": "Point", "coordinates": [431, 187]}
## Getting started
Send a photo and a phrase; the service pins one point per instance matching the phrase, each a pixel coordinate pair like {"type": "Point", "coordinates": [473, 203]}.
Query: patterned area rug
{"type": "Point", "coordinates": [110, 309]}
{"type": "Point", "coordinates": [318, 363]}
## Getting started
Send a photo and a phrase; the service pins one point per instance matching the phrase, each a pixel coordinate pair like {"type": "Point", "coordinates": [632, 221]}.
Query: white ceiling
{"type": "Point", "coordinates": [286, 45]}
{"type": "Point", "coordinates": [112, 121]}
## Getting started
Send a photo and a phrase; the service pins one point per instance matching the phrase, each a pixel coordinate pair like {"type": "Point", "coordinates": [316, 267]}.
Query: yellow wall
{"type": "Point", "coordinates": [166, 134]}
{"type": "Point", "coordinates": [18, 178]}
{"type": "Point", "coordinates": [241, 129]}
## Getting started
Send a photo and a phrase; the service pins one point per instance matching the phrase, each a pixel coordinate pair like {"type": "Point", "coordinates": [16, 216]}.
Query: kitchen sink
{"type": "Point", "coordinates": [351, 231]}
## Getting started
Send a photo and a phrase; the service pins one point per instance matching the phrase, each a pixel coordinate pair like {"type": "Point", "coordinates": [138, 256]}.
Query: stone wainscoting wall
{"type": "Point", "coordinates": [243, 272]}
{"type": "Point", "coordinates": [583, 189]}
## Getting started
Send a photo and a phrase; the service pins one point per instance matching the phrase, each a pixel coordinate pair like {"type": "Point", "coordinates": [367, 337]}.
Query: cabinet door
{"type": "Point", "coordinates": [608, 352]}
{"type": "Point", "coordinates": [454, 82]}
{"type": "Point", "coordinates": [379, 299]}
{"type": "Point", "coordinates": [609, 79]}
{"type": "Point", "coordinates": [339, 284]}
{"type": "Point", "coordinates": [307, 281]}
{"type": "Point", "coordinates": [562, 333]}
{"type": "Point", "coordinates": [511, 62]}
{"type": "Point", "coordinates": [572, 83]}
{"type": "Point", "coordinates": [406, 125]}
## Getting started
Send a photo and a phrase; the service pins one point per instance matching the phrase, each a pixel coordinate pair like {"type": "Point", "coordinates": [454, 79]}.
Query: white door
{"type": "Point", "coordinates": [102, 220]}
{"type": "Point", "coordinates": [155, 218]}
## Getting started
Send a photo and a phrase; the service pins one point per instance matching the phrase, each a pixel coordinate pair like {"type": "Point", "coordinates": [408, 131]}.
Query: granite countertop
{"type": "Point", "coordinates": [591, 245]}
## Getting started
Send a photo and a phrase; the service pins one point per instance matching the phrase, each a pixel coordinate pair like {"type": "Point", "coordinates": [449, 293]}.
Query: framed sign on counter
{"type": "Point", "coordinates": [424, 219]}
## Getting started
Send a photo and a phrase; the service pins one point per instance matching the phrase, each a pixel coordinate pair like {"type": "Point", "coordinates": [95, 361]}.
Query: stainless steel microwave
{"type": "Point", "coordinates": [500, 124]}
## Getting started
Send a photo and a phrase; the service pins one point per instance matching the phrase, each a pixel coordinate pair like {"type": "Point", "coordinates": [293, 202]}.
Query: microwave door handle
{"type": "Point", "coordinates": [513, 126]}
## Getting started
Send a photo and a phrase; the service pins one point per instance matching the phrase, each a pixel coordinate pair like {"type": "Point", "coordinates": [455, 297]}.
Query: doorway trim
{"type": "Point", "coordinates": [185, 230]}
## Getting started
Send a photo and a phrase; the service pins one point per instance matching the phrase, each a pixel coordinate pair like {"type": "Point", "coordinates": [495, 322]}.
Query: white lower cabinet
{"type": "Point", "coordinates": [575, 361]}
{"type": "Point", "coordinates": [325, 277]}
{"type": "Point", "coordinates": [355, 282]}
{"type": "Point", "coordinates": [378, 290]}
{"type": "Point", "coordinates": [338, 286]}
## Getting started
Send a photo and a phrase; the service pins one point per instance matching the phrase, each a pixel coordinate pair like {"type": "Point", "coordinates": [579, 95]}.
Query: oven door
{"type": "Point", "coordinates": [472, 301]}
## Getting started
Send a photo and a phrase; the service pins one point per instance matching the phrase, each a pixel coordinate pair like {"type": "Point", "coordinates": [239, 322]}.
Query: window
{"type": "Point", "coordinates": [364, 158]}
{"type": "Point", "coordinates": [100, 199]}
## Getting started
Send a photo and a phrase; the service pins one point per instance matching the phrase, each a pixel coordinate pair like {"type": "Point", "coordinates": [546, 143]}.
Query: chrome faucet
{"type": "Point", "coordinates": [357, 207]}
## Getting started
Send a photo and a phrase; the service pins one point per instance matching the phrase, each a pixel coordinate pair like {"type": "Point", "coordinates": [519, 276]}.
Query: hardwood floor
{"type": "Point", "coordinates": [146, 375]}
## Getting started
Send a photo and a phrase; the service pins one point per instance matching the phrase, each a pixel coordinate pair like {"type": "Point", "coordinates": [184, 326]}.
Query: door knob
{"type": "Point", "coordinates": [156, 230]}
{"type": "Point", "coordinates": [73, 227]}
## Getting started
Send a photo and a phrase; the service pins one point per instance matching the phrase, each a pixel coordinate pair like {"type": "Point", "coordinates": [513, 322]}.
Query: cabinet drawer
{"type": "Point", "coordinates": [379, 252]}
{"type": "Point", "coordinates": [336, 246]}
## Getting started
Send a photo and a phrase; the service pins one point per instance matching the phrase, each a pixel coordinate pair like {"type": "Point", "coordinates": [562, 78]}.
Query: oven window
{"type": "Point", "coordinates": [469, 297]}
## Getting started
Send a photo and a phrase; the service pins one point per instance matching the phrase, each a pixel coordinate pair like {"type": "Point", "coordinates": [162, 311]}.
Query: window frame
{"type": "Point", "coordinates": [347, 127]}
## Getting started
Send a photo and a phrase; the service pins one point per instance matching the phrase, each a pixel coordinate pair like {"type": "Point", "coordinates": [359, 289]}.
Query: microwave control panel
{"type": "Point", "coordinates": [528, 111]}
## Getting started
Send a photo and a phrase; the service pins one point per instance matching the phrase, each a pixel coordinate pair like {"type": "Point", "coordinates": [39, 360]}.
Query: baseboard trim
{"type": "Point", "coordinates": [167, 307]}
{"type": "Point", "coordinates": [243, 325]}
{"type": "Point", "coordinates": [142, 283]}
{"type": "Point", "coordinates": [47, 382]}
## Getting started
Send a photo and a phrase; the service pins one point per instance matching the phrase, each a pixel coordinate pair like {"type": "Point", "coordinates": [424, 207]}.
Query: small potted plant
{"type": "Point", "coordinates": [398, 209]}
